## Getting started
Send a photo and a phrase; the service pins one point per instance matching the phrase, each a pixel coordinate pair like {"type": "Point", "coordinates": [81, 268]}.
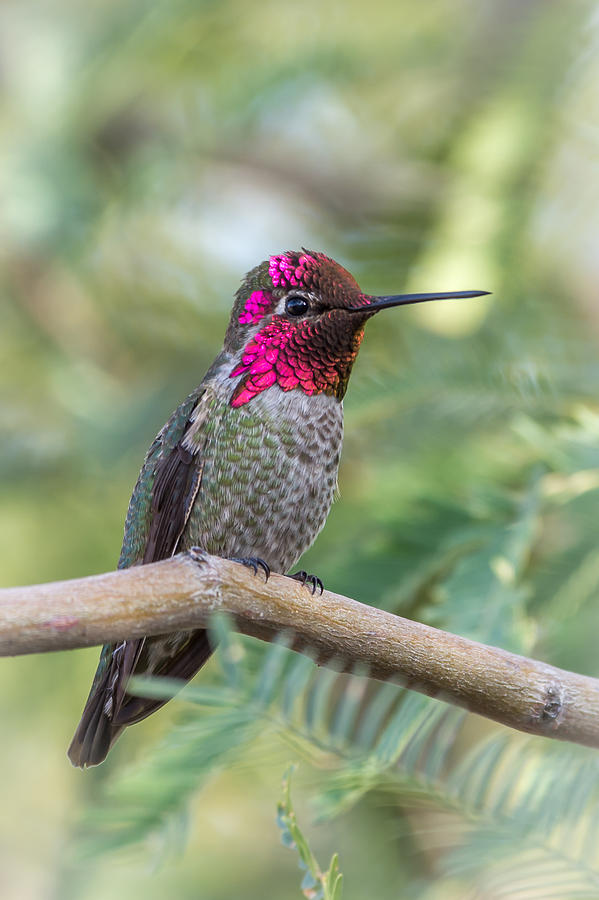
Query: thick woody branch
{"type": "Point", "coordinates": [183, 592]}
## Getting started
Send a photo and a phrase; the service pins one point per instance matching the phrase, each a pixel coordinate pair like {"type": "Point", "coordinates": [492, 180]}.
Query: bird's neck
{"type": "Point", "coordinates": [293, 359]}
{"type": "Point", "coordinates": [274, 403]}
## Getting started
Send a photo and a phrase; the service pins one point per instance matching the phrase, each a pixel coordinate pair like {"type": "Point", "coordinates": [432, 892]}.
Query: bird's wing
{"type": "Point", "coordinates": [165, 490]}
{"type": "Point", "coordinates": [158, 512]}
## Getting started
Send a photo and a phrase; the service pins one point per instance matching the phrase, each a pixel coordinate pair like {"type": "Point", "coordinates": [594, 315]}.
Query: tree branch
{"type": "Point", "coordinates": [183, 592]}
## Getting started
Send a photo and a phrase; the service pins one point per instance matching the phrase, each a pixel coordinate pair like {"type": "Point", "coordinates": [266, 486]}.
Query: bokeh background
{"type": "Point", "coordinates": [150, 153]}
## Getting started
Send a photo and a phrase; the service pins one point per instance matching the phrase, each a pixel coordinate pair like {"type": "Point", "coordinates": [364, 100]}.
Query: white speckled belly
{"type": "Point", "coordinates": [269, 476]}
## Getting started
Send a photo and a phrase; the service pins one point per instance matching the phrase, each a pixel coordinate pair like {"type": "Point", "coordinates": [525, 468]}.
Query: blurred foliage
{"type": "Point", "coordinates": [152, 153]}
{"type": "Point", "coordinates": [316, 884]}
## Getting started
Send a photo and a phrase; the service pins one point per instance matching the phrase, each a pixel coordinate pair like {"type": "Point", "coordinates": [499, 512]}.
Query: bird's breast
{"type": "Point", "coordinates": [269, 476]}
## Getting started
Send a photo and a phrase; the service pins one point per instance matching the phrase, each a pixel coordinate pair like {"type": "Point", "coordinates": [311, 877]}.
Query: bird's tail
{"type": "Point", "coordinates": [110, 708]}
{"type": "Point", "coordinates": [95, 733]}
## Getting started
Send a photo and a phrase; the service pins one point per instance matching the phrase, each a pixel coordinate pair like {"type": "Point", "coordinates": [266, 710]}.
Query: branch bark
{"type": "Point", "coordinates": [184, 591]}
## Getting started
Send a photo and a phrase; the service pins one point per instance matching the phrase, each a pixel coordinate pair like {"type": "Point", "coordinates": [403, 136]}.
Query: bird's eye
{"type": "Point", "coordinates": [295, 305]}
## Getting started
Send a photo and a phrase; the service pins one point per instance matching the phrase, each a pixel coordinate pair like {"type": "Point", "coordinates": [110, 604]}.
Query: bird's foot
{"type": "Point", "coordinates": [253, 562]}
{"type": "Point", "coordinates": [311, 581]}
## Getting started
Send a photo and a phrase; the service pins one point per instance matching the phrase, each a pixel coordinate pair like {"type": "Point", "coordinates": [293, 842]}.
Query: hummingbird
{"type": "Point", "coordinates": [246, 467]}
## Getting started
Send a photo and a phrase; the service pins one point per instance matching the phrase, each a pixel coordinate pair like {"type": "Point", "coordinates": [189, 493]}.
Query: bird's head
{"type": "Point", "coordinates": [298, 321]}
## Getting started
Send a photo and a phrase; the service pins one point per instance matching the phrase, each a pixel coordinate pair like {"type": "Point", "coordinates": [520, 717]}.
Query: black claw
{"type": "Point", "coordinates": [312, 581]}
{"type": "Point", "coordinates": [253, 562]}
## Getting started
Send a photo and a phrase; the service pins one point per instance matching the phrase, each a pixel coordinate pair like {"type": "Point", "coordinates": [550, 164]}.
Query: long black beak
{"type": "Point", "coordinates": [373, 304]}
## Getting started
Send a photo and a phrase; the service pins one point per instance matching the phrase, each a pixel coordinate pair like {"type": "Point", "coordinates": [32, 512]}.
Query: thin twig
{"type": "Point", "coordinates": [183, 592]}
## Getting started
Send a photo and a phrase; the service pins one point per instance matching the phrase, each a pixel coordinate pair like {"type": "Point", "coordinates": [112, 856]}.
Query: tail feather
{"type": "Point", "coordinates": [189, 659]}
{"type": "Point", "coordinates": [109, 708]}
{"type": "Point", "coordinates": [95, 733]}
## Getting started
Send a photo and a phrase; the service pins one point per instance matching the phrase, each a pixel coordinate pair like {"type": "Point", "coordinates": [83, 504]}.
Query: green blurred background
{"type": "Point", "coordinates": [151, 153]}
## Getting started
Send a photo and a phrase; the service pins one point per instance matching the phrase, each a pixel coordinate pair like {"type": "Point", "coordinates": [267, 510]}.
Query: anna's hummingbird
{"type": "Point", "coordinates": [246, 467]}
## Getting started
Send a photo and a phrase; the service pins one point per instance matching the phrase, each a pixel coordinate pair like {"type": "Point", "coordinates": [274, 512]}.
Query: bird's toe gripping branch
{"type": "Point", "coordinates": [253, 562]}
{"type": "Point", "coordinates": [309, 580]}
